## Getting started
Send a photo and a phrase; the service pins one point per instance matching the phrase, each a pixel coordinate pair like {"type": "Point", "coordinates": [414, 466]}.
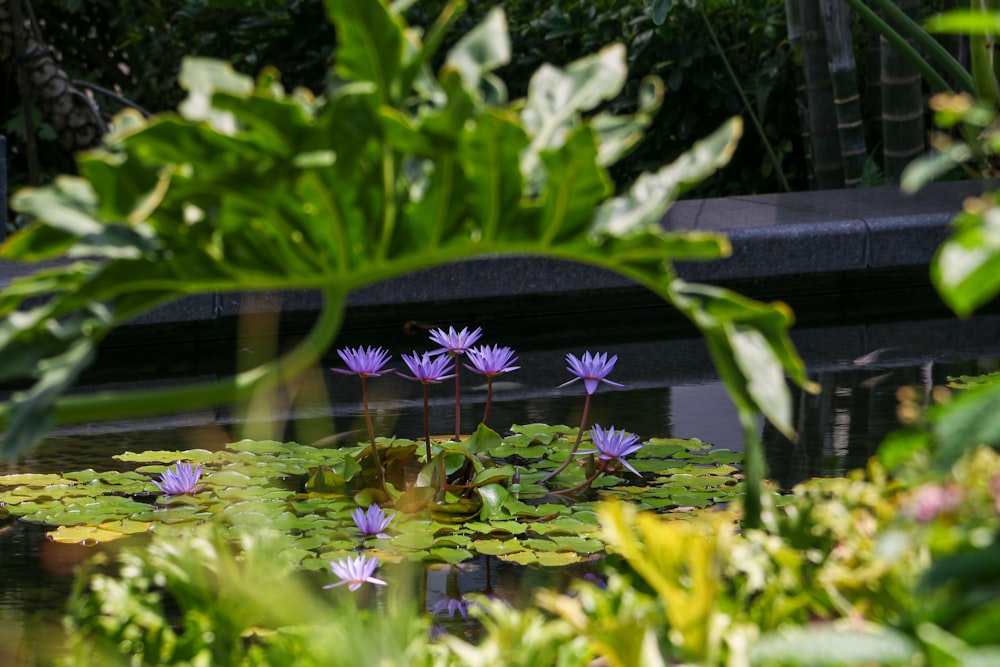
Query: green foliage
{"type": "Point", "coordinates": [196, 599]}
{"type": "Point", "coordinates": [700, 95]}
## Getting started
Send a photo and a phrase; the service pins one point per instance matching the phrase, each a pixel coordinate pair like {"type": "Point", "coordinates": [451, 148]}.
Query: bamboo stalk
{"type": "Point", "coordinates": [847, 101]}
{"type": "Point", "coordinates": [793, 19]}
{"type": "Point", "coordinates": [827, 161]}
{"type": "Point", "coordinates": [902, 107]}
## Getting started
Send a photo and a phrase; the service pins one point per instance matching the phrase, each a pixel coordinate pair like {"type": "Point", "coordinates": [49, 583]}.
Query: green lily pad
{"type": "Point", "coordinates": [30, 479]}
{"type": "Point", "coordinates": [497, 547]}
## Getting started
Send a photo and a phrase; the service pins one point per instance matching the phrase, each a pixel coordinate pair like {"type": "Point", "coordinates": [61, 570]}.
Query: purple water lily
{"type": "Point", "coordinates": [455, 344]}
{"type": "Point", "coordinates": [180, 479]}
{"type": "Point", "coordinates": [427, 368]}
{"type": "Point", "coordinates": [491, 361]}
{"type": "Point", "coordinates": [355, 572]}
{"type": "Point", "coordinates": [365, 363]}
{"type": "Point", "coordinates": [373, 522]}
{"type": "Point", "coordinates": [592, 369]}
{"type": "Point", "coordinates": [613, 446]}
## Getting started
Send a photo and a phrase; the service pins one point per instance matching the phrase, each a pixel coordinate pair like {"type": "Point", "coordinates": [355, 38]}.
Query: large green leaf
{"type": "Point", "coordinates": [369, 44]}
{"type": "Point", "coordinates": [392, 170]}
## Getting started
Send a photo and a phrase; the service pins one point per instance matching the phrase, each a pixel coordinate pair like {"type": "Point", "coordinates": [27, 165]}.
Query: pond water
{"type": "Point", "coordinates": [860, 361]}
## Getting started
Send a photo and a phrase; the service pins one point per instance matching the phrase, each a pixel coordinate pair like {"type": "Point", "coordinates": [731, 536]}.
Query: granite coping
{"type": "Point", "coordinates": [772, 236]}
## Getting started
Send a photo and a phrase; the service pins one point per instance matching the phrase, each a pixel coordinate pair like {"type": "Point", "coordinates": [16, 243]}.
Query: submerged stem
{"type": "Point", "coordinates": [576, 445]}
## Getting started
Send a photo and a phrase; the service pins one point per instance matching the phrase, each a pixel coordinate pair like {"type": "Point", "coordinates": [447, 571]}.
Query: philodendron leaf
{"type": "Point", "coordinates": [641, 208]}
{"type": "Point", "coordinates": [556, 97]}
{"type": "Point", "coordinates": [483, 49]}
{"type": "Point", "coordinates": [370, 44]}
{"type": "Point", "coordinates": [750, 346]}
{"type": "Point", "coordinates": [765, 379]}
{"type": "Point", "coordinates": [253, 188]}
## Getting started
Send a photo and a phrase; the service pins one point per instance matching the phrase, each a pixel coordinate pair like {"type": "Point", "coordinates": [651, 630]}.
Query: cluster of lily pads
{"type": "Point", "coordinates": [484, 493]}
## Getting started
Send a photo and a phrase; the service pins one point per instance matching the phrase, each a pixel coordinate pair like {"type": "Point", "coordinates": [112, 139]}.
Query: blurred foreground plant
{"type": "Point", "coordinates": [393, 169]}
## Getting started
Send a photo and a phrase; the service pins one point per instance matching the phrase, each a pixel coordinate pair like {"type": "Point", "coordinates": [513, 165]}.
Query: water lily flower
{"type": "Point", "coordinates": [180, 479]}
{"type": "Point", "coordinates": [613, 446]}
{"type": "Point", "coordinates": [371, 523]}
{"type": "Point", "coordinates": [456, 342]}
{"type": "Point", "coordinates": [490, 361]}
{"type": "Point", "coordinates": [366, 362]}
{"type": "Point", "coordinates": [428, 369]}
{"type": "Point", "coordinates": [592, 369]}
{"type": "Point", "coordinates": [355, 572]}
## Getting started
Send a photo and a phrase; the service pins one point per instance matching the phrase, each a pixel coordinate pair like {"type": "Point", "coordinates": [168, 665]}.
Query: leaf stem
{"type": "Point", "coordinates": [110, 405]}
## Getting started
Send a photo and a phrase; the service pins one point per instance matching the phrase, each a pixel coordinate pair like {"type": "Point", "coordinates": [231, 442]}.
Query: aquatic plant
{"type": "Point", "coordinates": [456, 343]}
{"type": "Point", "coordinates": [365, 363]}
{"type": "Point", "coordinates": [180, 479]}
{"type": "Point", "coordinates": [592, 369]}
{"type": "Point", "coordinates": [490, 362]}
{"type": "Point", "coordinates": [371, 522]}
{"type": "Point", "coordinates": [355, 572]}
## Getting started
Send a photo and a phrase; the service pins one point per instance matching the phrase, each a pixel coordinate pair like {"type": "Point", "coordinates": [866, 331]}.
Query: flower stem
{"type": "Point", "coordinates": [489, 399]}
{"type": "Point", "coordinates": [582, 485]}
{"type": "Point", "coordinates": [576, 445]}
{"type": "Point", "coordinates": [380, 473]}
{"type": "Point", "coordinates": [458, 401]}
{"type": "Point", "coordinates": [427, 422]}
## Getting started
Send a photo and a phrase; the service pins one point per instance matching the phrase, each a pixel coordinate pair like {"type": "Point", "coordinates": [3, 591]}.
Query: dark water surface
{"type": "Point", "coordinates": [670, 390]}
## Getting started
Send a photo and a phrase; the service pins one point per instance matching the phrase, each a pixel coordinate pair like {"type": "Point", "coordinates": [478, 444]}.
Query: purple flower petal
{"type": "Point", "coordinates": [428, 368]}
{"type": "Point", "coordinates": [364, 362]}
{"type": "Point", "coordinates": [592, 369]}
{"type": "Point", "coordinates": [355, 572]}
{"type": "Point", "coordinates": [613, 445]}
{"type": "Point", "coordinates": [491, 361]}
{"type": "Point", "coordinates": [456, 342]}
{"type": "Point", "coordinates": [373, 522]}
{"type": "Point", "coordinates": [180, 479]}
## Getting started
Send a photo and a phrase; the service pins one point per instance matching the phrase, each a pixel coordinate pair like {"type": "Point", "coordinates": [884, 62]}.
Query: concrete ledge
{"type": "Point", "coordinates": [773, 236]}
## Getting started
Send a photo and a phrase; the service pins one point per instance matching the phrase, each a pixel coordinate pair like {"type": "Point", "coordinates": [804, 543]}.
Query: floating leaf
{"type": "Point", "coordinates": [86, 535]}
{"type": "Point", "coordinates": [32, 479]}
